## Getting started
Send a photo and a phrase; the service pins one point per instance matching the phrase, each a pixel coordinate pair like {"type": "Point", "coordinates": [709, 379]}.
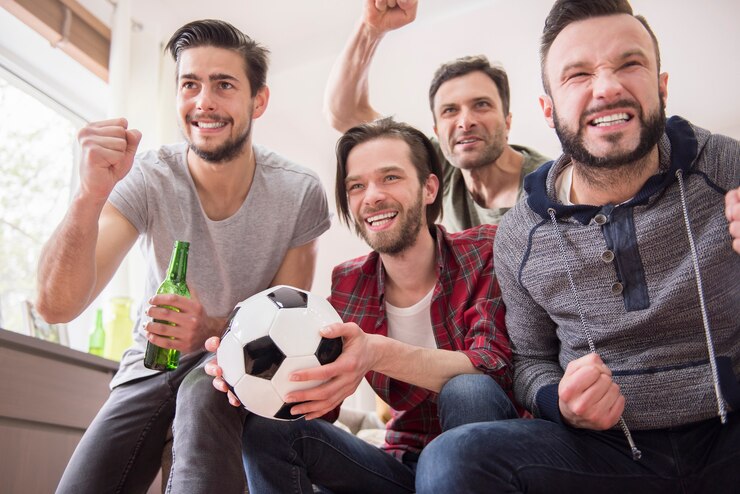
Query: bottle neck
{"type": "Point", "coordinates": [178, 268]}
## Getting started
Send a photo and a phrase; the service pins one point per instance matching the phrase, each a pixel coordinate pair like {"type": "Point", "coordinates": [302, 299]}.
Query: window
{"type": "Point", "coordinates": [37, 173]}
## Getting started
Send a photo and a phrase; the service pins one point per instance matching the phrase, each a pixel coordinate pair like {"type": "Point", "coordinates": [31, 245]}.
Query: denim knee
{"type": "Point", "coordinates": [469, 398]}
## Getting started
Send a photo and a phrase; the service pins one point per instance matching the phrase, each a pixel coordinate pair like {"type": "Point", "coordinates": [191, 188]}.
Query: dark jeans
{"type": "Point", "coordinates": [288, 457]}
{"type": "Point", "coordinates": [121, 451]}
{"type": "Point", "coordinates": [538, 456]}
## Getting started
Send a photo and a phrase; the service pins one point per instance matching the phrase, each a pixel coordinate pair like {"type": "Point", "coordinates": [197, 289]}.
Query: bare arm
{"type": "Point", "coordinates": [428, 368]}
{"type": "Point", "coordinates": [298, 266]}
{"type": "Point", "coordinates": [347, 95]}
{"type": "Point", "coordinates": [92, 239]}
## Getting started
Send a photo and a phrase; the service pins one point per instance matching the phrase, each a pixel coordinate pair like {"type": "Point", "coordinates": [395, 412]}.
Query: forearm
{"type": "Point", "coordinates": [67, 273]}
{"type": "Point", "coordinates": [347, 94]}
{"type": "Point", "coordinates": [429, 368]}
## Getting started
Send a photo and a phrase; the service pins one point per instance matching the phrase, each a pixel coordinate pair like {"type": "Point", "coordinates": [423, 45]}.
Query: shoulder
{"type": "Point", "coordinates": [278, 166]}
{"type": "Point", "coordinates": [532, 158]}
{"type": "Point", "coordinates": [353, 268]}
{"type": "Point", "coordinates": [478, 235]}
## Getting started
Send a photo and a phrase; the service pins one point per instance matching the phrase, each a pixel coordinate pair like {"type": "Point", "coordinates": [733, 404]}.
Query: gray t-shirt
{"type": "Point", "coordinates": [229, 260]}
{"type": "Point", "coordinates": [460, 209]}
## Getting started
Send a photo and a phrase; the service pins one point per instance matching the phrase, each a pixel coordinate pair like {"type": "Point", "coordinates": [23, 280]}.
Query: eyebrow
{"type": "Point", "coordinates": [625, 55]}
{"type": "Point", "coordinates": [212, 77]}
{"type": "Point", "coordinates": [379, 171]}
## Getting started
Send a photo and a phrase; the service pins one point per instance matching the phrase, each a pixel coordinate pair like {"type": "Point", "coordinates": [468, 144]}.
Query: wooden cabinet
{"type": "Point", "coordinates": [48, 396]}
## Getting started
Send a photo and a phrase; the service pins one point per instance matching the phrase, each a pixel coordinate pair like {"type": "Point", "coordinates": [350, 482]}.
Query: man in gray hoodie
{"type": "Point", "coordinates": [621, 287]}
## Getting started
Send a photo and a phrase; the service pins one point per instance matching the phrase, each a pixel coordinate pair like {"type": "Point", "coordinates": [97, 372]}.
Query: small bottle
{"type": "Point", "coordinates": [97, 337]}
{"type": "Point", "coordinates": [118, 325]}
{"type": "Point", "coordinates": [174, 282]}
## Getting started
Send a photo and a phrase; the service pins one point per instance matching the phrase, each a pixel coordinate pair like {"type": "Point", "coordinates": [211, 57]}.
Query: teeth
{"type": "Point", "coordinates": [610, 120]}
{"type": "Point", "coordinates": [211, 125]}
{"type": "Point", "coordinates": [380, 218]}
{"type": "Point", "coordinates": [466, 141]}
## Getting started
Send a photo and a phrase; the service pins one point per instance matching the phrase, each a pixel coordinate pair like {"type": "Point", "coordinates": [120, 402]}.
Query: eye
{"type": "Point", "coordinates": [448, 111]}
{"type": "Point", "coordinates": [482, 104]}
{"type": "Point", "coordinates": [188, 85]}
{"type": "Point", "coordinates": [392, 178]}
{"type": "Point", "coordinates": [354, 187]}
{"type": "Point", "coordinates": [225, 85]}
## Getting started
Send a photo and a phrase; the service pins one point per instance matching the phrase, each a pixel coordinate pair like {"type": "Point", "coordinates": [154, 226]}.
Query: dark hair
{"type": "Point", "coordinates": [220, 34]}
{"type": "Point", "coordinates": [565, 12]}
{"type": "Point", "coordinates": [464, 66]}
{"type": "Point", "coordinates": [421, 153]}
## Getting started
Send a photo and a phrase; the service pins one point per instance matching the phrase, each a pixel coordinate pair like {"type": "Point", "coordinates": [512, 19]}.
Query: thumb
{"type": "Point", "coordinates": [337, 330]}
{"type": "Point", "coordinates": [133, 138]}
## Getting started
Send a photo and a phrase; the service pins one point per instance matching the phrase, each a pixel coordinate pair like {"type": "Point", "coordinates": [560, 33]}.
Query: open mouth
{"type": "Point", "coordinates": [467, 140]}
{"type": "Point", "coordinates": [609, 120]}
{"type": "Point", "coordinates": [379, 220]}
{"type": "Point", "coordinates": [207, 125]}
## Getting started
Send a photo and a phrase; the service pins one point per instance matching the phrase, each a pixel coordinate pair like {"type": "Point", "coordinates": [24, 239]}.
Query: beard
{"type": "Point", "coordinates": [227, 151]}
{"type": "Point", "coordinates": [652, 128]}
{"type": "Point", "coordinates": [402, 237]}
{"type": "Point", "coordinates": [490, 153]}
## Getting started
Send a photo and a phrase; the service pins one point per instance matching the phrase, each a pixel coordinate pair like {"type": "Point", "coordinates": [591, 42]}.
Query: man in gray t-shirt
{"type": "Point", "coordinates": [252, 219]}
{"type": "Point", "coordinates": [469, 99]}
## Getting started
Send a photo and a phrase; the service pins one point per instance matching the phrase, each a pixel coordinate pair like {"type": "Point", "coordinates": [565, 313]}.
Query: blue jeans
{"type": "Point", "coordinates": [538, 456]}
{"type": "Point", "coordinates": [121, 451]}
{"type": "Point", "coordinates": [288, 457]}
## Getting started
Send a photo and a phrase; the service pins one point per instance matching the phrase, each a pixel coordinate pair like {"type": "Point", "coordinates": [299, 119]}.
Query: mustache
{"type": "Point", "coordinates": [207, 116]}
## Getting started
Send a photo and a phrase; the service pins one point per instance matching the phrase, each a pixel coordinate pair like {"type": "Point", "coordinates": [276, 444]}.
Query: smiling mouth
{"type": "Point", "coordinates": [381, 219]}
{"type": "Point", "coordinates": [609, 120]}
{"type": "Point", "coordinates": [208, 125]}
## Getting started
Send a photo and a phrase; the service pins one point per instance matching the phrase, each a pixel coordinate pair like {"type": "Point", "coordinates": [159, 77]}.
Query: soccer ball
{"type": "Point", "coordinates": [270, 335]}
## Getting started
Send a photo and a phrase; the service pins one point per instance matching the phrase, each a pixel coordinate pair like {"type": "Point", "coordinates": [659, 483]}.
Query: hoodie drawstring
{"type": "Point", "coordinates": [721, 407]}
{"type": "Point", "coordinates": [636, 453]}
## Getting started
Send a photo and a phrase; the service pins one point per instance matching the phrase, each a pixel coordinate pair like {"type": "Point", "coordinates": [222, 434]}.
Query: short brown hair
{"type": "Point", "coordinates": [221, 34]}
{"type": "Point", "coordinates": [421, 153]}
{"type": "Point", "coordinates": [464, 66]}
{"type": "Point", "coordinates": [565, 12]}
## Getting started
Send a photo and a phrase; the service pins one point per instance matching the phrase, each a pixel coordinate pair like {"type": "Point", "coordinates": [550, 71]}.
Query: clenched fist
{"type": "Point", "coordinates": [386, 15]}
{"type": "Point", "coordinates": [108, 150]}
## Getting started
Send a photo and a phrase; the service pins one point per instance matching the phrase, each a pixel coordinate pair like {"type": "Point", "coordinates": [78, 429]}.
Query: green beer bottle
{"type": "Point", "coordinates": [97, 337]}
{"type": "Point", "coordinates": [161, 358]}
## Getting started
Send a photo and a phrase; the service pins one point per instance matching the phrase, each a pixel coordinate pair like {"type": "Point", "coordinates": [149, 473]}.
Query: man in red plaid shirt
{"type": "Point", "coordinates": [424, 323]}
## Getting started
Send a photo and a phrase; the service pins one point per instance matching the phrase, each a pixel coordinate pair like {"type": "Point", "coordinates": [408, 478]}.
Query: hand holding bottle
{"type": "Point", "coordinates": [192, 325]}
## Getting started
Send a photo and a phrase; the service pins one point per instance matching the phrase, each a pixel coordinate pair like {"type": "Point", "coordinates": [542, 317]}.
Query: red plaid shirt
{"type": "Point", "coordinates": [467, 316]}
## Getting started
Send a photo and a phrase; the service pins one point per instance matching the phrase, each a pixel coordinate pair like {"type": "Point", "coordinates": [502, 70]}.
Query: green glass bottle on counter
{"type": "Point", "coordinates": [118, 325]}
{"type": "Point", "coordinates": [97, 337]}
{"type": "Point", "coordinates": [162, 358]}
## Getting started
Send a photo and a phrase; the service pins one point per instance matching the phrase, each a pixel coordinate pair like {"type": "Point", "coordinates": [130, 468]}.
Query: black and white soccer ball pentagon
{"type": "Point", "coordinates": [270, 335]}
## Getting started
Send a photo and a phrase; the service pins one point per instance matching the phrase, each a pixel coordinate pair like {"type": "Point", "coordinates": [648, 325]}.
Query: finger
{"type": "Point", "coordinates": [163, 341]}
{"type": "Point", "coordinates": [590, 359]}
{"type": "Point", "coordinates": [391, 3]}
{"type": "Point", "coordinates": [181, 319]}
{"type": "Point", "coordinates": [213, 369]}
{"type": "Point", "coordinates": [112, 122]}
{"type": "Point", "coordinates": [220, 385]}
{"type": "Point", "coordinates": [233, 400]}
{"type": "Point", "coordinates": [731, 199]}
{"type": "Point", "coordinates": [213, 343]}
{"type": "Point", "coordinates": [319, 373]}
{"type": "Point", "coordinates": [590, 402]}
{"type": "Point", "coordinates": [381, 5]}
{"type": "Point", "coordinates": [573, 386]}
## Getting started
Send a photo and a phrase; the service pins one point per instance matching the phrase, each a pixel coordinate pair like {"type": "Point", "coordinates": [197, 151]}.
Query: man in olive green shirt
{"type": "Point", "coordinates": [469, 99]}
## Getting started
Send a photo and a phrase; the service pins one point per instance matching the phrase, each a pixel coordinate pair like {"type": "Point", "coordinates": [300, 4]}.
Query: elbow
{"type": "Point", "coordinates": [332, 116]}
{"type": "Point", "coordinates": [51, 312]}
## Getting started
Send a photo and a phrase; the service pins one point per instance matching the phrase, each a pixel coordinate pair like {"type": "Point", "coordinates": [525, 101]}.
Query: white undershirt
{"type": "Point", "coordinates": [412, 325]}
{"type": "Point", "coordinates": [564, 184]}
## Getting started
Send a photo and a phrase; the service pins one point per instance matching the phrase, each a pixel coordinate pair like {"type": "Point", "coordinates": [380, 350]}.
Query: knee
{"type": "Point", "coordinates": [443, 463]}
{"type": "Point", "coordinates": [468, 386]}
